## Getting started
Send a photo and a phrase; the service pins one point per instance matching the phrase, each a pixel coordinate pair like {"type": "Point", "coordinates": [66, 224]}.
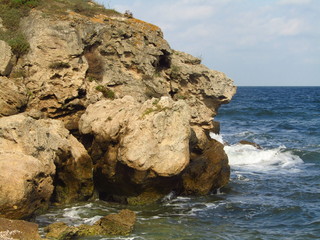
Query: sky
{"type": "Point", "coordinates": [254, 42]}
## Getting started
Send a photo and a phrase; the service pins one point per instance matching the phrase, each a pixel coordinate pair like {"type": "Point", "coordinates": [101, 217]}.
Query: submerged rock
{"type": "Point", "coordinates": [18, 230]}
{"type": "Point", "coordinates": [245, 142]}
{"type": "Point", "coordinates": [121, 223]}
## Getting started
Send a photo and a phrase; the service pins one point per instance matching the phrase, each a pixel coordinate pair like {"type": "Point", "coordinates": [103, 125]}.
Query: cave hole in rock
{"type": "Point", "coordinates": [163, 61]}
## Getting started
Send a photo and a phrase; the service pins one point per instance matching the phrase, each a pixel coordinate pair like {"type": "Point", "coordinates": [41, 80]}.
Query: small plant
{"type": "Point", "coordinates": [20, 73]}
{"type": "Point", "coordinates": [19, 44]}
{"type": "Point", "coordinates": [148, 111]}
{"type": "Point", "coordinates": [106, 92]}
{"type": "Point", "coordinates": [155, 102]}
{"type": "Point", "coordinates": [174, 71]}
{"type": "Point", "coordinates": [182, 97]}
{"type": "Point", "coordinates": [59, 65]}
{"type": "Point", "coordinates": [128, 14]}
{"type": "Point", "coordinates": [91, 79]}
{"type": "Point", "coordinates": [156, 108]}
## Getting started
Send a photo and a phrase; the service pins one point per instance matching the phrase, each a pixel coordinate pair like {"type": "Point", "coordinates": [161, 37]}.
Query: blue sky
{"type": "Point", "coordinates": [255, 42]}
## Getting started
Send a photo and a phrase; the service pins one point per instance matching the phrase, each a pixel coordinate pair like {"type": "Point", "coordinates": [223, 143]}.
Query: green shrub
{"type": "Point", "coordinates": [11, 11]}
{"type": "Point", "coordinates": [19, 44]}
{"type": "Point", "coordinates": [107, 93]}
{"type": "Point", "coordinates": [59, 65]}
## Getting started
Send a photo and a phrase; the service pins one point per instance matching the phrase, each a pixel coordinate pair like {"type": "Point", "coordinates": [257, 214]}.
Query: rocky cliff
{"type": "Point", "coordinates": [101, 102]}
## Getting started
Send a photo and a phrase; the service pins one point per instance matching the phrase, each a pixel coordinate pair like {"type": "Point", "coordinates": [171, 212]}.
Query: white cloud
{"type": "Point", "coordinates": [294, 2]}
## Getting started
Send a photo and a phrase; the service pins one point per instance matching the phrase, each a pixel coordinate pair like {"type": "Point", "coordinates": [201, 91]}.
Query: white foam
{"type": "Point", "coordinates": [247, 157]}
{"type": "Point", "coordinates": [91, 221]}
{"type": "Point", "coordinates": [217, 137]}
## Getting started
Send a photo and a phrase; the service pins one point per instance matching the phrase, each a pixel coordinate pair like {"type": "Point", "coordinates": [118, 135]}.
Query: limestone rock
{"type": "Point", "coordinates": [34, 154]}
{"type": "Point", "coordinates": [82, 54]}
{"type": "Point", "coordinates": [121, 223]}
{"type": "Point", "coordinates": [207, 171]}
{"type": "Point", "coordinates": [157, 138]}
{"type": "Point", "coordinates": [5, 58]}
{"type": "Point", "coordinates": [18, 230]}
{"type": "Point", "coordinates": [152, 136]}
{"type": "Point", "coordinates": [70, 59]}
{"type": "Point", "coordinates": [149, 140]}
{"type": "Point", "coordinates": [13, 97]}
{"type": "Point", "coordinates": [79, 70]}
{"type": "Point", "coordinates": [25, 185]}
{"type": "Point", "coordinates": [204, 89]}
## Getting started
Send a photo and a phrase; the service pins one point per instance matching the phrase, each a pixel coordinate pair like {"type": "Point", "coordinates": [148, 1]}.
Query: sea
{"type": "Point", "coordinates": [274, 191]}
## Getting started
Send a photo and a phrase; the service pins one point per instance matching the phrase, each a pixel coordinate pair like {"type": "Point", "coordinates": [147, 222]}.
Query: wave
{"type": "Point", "coordinates": [249, 158]}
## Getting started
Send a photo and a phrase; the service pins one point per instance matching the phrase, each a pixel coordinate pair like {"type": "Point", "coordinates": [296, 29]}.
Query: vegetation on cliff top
{"type": "Point", "coordinates": [11, 12]}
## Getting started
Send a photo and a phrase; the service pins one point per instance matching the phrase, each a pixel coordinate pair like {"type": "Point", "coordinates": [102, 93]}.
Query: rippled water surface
{"type": "Point", "coordinates": [274, 192]}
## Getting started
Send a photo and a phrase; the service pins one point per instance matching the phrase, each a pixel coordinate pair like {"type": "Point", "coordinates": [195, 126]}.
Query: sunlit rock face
{"type": "Point", "coordinates": [106, 104]}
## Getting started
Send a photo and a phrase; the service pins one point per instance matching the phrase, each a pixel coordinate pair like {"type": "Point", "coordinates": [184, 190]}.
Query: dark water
{"type": "Point", "coordinates": [274, 192]}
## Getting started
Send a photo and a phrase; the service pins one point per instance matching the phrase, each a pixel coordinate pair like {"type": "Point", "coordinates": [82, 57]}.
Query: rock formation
{"type": "Point", "coordinates": [40, 161]}
{"type": "Point", "coordinates": [121, 223]}
{"type": "Point", "coordinates": [103, 102]}
{"type": "Point", "coordinates": [18, 229]}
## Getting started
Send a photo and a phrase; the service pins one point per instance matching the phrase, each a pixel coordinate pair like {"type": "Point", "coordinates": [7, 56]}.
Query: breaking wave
{"type": "Point", "coordinates": [249, 158]}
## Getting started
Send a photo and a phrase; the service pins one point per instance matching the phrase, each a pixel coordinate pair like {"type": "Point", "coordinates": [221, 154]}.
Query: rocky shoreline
{"type": "Point", "coordinates": [101, 106]}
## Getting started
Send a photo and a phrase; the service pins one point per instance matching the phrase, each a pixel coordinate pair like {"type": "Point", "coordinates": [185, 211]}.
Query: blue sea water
{"type": "Point", "coordinates": [274, 192]}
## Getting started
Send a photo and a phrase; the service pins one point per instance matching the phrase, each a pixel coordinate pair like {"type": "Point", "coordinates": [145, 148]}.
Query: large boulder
{"type": "Point", "coordinates": [18, 229]}
{"type": "Point", "coordinates": [140, 144]}
{"type": "Point", "coordinates": [25, 184]}
{"type": "Point", "coordinates": [34, 156]}
{"type": "Point", "coordinates": [207, 171]}
{"type": "Point", "coordinates": [13, 96]}
{"type": "Point", "coordinates": [5, 58]}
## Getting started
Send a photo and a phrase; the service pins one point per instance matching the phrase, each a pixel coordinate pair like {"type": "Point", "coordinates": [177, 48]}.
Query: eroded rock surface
{"type": "Point", "coordinates": [142, 111]}
{"type": "Point", "coordinates": [35, 155]}
{"type": "Point", "coordinates": [150, 140]}
{"type": "Point", "coordinates": [13, 96]}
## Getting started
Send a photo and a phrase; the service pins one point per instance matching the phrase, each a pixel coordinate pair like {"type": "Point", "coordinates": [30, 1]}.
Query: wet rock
{"type": "Point", "coordinates": [121, 223]}
{"type": "Point", "coordinates": [245, 142]}
{"type": "Point", "coordinates": [18, 230]}
{"type": "Point", "coordinates": [207, 171]}
{"type": "Point", "coordinates": [60, 231]}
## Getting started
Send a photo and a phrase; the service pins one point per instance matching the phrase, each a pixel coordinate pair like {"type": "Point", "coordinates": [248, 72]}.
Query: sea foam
{"type": "Point", "coordinates": [249, 158]}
